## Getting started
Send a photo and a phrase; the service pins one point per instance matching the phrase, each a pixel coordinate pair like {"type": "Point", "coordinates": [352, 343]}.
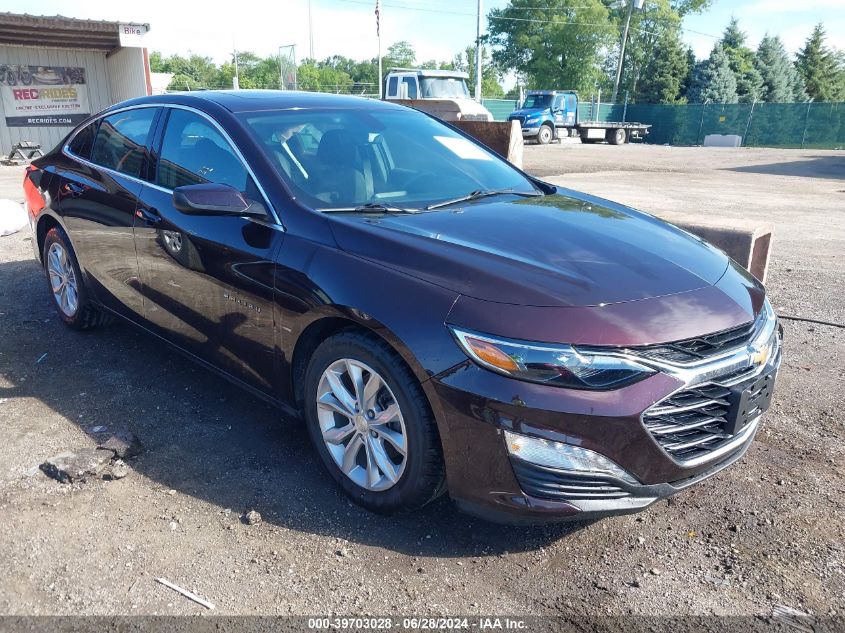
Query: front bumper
{"type": "Point", "coordinates": [527, 131]}
{"type": "Point", "coordinates": [476, 407]}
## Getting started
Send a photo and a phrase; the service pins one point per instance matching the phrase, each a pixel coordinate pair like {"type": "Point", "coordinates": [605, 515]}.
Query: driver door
{"type": "Point", "coordinates": [207, 279]}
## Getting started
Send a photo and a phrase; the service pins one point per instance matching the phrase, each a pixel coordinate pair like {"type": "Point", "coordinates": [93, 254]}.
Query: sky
{"type": "Point", "coordinates": [437, 29]}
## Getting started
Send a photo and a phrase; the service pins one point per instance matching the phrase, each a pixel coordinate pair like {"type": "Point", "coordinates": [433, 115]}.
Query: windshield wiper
{"type": "Point", "coordinates": [484, 193]}
{"type": "Point", "coordinates": [370, 207]}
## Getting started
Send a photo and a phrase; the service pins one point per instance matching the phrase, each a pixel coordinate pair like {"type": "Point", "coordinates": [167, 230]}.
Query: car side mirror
{"type": "Point", "coordinates": [214, 199]}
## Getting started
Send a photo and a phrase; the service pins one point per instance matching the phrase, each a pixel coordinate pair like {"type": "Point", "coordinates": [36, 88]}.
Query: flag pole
{"type": "Point", "coordinates": [378, 36]}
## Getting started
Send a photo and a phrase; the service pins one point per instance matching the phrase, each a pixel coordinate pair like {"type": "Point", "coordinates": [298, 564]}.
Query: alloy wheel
{"type": "Point", "coordinates": [362, 425]}
{"type": "Point", "coordinates": [62, 279]}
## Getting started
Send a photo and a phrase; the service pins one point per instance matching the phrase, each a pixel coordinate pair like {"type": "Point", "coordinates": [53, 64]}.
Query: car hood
{"type": "Point", "coordinates": [555, 250]}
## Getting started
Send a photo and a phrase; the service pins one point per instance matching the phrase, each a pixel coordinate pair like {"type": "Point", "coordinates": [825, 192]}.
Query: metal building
{"type": "Point", "coordinates": [55, 71]}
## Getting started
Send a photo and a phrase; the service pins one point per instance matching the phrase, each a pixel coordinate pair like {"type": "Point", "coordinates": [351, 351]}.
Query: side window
{"type": "Point", "coordinates": [392, 86]}
{"type": "Point", "coordinates": [411, 82]}
{"type": "Point", "coordinates": [121, 138]}
{"type": "Point", "coordinates": [83, 141]}
{"type": "Point", "coordinates": [558, 104]}
{"type": "Point", "coordinates": [194, 152]}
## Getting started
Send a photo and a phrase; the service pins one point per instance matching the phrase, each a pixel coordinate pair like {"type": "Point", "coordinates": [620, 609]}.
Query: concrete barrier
{"type": "Point", "coordinates": [502, 137]}
{"type": "Point", "coordinates": [747, 243]}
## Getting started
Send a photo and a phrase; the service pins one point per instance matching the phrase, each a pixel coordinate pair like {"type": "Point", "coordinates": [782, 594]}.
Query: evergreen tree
{"type": "Point", "coordinates": [713, 79]}
{"type": "Point", "coordinates": [821, 69]}
{"type": "Point", "coordinates": [666, 72]}
{"type": "Point", "coordinates": [749, 83]}
{"type": "Point", "coordinates": [781, 82]}
{"type": "Point", "coordinates": [687, 85]}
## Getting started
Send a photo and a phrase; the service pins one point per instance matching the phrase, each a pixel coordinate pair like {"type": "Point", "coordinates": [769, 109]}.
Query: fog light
{"type": "Point", "coordinates": [564, 456]}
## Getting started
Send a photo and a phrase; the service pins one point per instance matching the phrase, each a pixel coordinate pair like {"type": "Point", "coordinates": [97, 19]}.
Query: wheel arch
{"type": "Point", "coordinates": [45, 223]}
{"type": "Point", "coordinates": [323, 326]}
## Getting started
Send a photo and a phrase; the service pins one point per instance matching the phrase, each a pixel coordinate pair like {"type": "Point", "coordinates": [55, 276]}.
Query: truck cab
{"type": "Point", "coordinates": [443, 93]}
{"type": "Point", "coordinates": [547, 114]}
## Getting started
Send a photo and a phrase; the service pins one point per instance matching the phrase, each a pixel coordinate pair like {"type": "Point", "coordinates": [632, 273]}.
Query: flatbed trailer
{"type": "Point", "coordinates": [614, 132]}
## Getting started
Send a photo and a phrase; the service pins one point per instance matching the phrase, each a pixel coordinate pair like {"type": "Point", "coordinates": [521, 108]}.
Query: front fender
{"type": "Point", "coordinates": [407, 312]}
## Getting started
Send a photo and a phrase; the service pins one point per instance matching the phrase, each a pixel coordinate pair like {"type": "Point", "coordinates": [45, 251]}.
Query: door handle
{"type": "Point", "coordinates": [74, 190]}
{"type": "Point", "coordinates": [150, 216]}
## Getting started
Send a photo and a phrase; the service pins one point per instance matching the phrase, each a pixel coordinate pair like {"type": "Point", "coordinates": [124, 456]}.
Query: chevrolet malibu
{"type": "Point", "coordinates": [440, 320]}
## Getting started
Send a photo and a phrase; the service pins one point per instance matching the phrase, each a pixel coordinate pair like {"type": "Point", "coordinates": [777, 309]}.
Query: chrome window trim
{"type": "Point", "coordinates": [66, 151]}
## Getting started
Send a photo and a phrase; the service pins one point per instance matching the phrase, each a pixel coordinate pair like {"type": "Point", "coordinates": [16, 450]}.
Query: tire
{"type": "Point", "coordinates": [74, 307]}
{"type": "Point", "coordinates": [545, 135]}
{"type": "Point", "coordinates": [619, 136]}
{"type": "Point", "coordinates": [419, 474]}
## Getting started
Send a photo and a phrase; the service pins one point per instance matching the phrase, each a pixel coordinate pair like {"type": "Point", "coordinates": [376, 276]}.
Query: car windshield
{"type": "Point", "coordinates": [347, 158]}
{"type": "Point", "coordinates": [537, 101]}
{"type": "Point", "coordinates": [444, 88]}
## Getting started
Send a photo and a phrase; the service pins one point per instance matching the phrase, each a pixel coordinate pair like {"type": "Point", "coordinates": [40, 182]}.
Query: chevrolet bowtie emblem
{"type": "Point", "coordinates": [759, 355]}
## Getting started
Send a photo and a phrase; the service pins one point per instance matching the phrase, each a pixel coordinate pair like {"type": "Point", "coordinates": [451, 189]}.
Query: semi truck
{"type": "Point", "coordinates": [545, 115]}
{"type": "Point", "coordinates": [443, 93]}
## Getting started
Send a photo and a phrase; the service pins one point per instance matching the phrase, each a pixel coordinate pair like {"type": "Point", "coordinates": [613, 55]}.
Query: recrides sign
{"type": "Point", "coordinates": [43, 96]}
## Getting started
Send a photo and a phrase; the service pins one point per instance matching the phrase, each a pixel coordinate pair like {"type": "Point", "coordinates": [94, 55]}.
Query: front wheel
{"type": "Point", "coordinates": [371, 424]}
{"type": "Point", "coordinates": [544, 136]}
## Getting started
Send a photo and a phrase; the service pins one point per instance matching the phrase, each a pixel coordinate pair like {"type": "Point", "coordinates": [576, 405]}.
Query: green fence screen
{"type": "Point", "coordinates": [809, 125]}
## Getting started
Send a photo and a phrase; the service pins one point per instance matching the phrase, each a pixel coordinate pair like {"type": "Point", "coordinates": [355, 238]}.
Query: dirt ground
{"type": "Point", "coordinates": [766, 532]}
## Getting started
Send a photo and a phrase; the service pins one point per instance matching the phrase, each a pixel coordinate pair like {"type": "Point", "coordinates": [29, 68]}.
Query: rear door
{"type": "Point", "coordinates": [207, 279]}
{"type": "Point", "coordinates": [98, 194]}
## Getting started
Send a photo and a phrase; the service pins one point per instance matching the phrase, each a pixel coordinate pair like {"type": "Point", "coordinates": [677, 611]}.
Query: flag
{"type": "Point", "coordinates": [377, 18]}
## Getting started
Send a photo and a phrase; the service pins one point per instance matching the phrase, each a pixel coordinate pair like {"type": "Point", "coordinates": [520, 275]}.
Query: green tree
{"type": "Point", "coordinates": [562, 47]}
{"type": "Point", "coordinates": [666, 72]}
{"type": "Point", "coordinates": [190, 73]}
{"type": "Point", "coordinates": [713, 79]}
{"type": "Point", "coordinates": [687, 85]}
{"type": "Point", "coordinates": [821, 69]}
{"type": "Point", "coordinates": [465, 62]}
{"type": "Point", "coordinates": [322, 78]}
{"type": "Point", "coordinates": [781, 81]}
{"type": "Point", "coordinates": [749, 82]}
{"type": "Point", "coordinates": [400, 55]}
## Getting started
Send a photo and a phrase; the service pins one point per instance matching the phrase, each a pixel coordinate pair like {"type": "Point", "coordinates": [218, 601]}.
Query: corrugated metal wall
{"type": "Point", "coordinates": [119, 77]}
{"type": "Point", "coordinates": [126, 73]}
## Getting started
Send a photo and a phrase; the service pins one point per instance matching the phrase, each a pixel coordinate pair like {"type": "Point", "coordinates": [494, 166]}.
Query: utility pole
{"type": "Point", "coordinates": [622, 50]}
{"type": "Point", "coordinates": [310, 33]}
{"type": "Point", "coordinates": [378, 37]}
{"type": "Point", "coordinates": [235, 81]}
{"type": "Point", "coordinates": [478, 55]}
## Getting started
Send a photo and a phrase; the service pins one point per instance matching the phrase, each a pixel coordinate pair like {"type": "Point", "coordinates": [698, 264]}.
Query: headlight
{"type": "Point", "coordinates": [557, 365]}
{"type": "Point", "coordinates": [563, 456]}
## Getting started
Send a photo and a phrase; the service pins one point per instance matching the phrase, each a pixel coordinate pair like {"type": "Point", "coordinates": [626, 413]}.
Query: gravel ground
{"type": "Point", "coordinates": [766, 532]}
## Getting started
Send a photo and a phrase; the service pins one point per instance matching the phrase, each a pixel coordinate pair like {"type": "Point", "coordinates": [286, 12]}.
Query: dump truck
{"type": "Point", "coordinates": [443, 93]}
{"type": "Point", "coordinates": [549, 114]}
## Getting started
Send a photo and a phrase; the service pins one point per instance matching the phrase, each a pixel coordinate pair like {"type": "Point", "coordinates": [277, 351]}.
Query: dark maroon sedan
{"type": "Point", "coordinates": [441, 320]}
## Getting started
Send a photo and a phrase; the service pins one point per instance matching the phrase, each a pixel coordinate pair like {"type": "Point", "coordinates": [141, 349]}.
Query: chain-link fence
{"type": "Point", "coordinates": [803, 125]}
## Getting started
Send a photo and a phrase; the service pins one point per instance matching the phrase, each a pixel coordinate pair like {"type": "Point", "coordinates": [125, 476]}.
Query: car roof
{"type": "Point", "coordinates": [252, 100]}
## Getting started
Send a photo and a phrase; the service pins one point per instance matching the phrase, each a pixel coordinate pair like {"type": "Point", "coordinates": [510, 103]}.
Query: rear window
{"type": "Point", "coordinates": [83, 141]}
{"type": "Point", "coordinates": [121, 140]}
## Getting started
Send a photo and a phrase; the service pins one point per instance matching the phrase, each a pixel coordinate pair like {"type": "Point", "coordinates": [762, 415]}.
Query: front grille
{"type": "Point", "coordinates": [549, 483]}
{"type": "Point", "coordinates": [521, 119]}
{"type": "Point", "coordinates": [703, 347]}
{"type": "Point", "coordinates": [695, 421]}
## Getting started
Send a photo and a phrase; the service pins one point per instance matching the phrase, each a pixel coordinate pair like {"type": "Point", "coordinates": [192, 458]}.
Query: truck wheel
{"type": "Point", "coordinates": [617, 137]}
{"type": "Point", "coordinates": [545, 134]}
